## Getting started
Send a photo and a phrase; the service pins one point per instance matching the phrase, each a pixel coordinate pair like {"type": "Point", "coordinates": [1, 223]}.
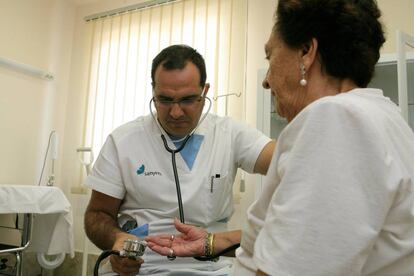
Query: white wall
{"type": "Point", "coordinates": [35, 33]}
{"type": "Point", "coordinates": [396, 15]}
{"type": "Point", "coordinates": [39, 34]}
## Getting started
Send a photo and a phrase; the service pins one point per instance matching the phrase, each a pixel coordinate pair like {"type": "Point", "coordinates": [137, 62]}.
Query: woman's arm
{"type": "Point", "coordinates": [224, 240]}
{"type": "Point", "coordinates": [192, 241]}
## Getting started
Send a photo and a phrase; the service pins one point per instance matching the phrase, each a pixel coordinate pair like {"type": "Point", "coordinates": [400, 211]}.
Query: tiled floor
{"type": "Point", "coordinates": [70, 267]}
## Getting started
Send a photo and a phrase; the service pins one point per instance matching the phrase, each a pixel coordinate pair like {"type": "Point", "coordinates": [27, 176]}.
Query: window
{"type": "Point", "coordinates": [123, 46]}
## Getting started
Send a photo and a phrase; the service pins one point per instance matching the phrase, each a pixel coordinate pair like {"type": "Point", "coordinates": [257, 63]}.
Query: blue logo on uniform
{"type": "Point", "coordinates": [141, 169]}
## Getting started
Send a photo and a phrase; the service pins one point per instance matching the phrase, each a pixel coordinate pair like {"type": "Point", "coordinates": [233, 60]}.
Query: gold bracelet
{"type": "Point", "coordinates": [211, 241]}
{"type": "Point", "coordinates": [208, 245]}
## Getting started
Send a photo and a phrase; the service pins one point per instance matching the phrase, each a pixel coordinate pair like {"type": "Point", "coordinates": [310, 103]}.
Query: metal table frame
{"type": "Point", "coordinates": [26, 236]}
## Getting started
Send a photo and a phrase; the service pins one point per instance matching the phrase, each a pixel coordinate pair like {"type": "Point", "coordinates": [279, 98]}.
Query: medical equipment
{"type": "Point", "coordinates": [52, 145]}
{"type": "Point", "coordinates": [52, 149]}
{"type": "Point", "coordinates": [86, 162]}
{"type": "Point", "coordinates": [132, 249]}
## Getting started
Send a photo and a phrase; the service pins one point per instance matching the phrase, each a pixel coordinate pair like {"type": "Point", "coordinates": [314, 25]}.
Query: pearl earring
{"type": "Point", "coordinates": [303, 81]}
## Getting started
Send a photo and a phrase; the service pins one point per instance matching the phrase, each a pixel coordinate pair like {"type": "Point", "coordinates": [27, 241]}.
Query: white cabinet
{"type": "Point", "coordinates": [386, 78]}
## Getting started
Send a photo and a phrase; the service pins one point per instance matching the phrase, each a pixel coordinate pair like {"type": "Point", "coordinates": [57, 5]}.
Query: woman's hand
{"type": "Point", "coordinates": [190, 243]}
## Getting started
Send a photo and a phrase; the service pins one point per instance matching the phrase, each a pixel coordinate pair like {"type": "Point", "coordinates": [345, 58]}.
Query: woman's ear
{"type": "Point", "coordinates": [309, 52]}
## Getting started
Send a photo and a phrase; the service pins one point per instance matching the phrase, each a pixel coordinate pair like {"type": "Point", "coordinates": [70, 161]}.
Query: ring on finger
{"type": "Point", "coordinates": [171, 256]}
{"type": "Point", "coordinates": [172, 237]}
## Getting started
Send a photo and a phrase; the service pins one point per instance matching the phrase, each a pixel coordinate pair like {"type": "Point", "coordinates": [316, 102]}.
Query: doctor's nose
{"type": "Point", "coordinates": [176, 111]}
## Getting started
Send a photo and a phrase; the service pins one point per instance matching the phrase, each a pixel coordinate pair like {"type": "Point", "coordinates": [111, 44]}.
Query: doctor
{"type": "Point", "coordinates": [133, 180]}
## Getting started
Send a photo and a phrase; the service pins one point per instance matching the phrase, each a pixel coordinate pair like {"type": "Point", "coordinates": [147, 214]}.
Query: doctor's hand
{"type": "Point", "coordinates": [122, 265]}
{"type": "Point", "coordinates": [189, 243]}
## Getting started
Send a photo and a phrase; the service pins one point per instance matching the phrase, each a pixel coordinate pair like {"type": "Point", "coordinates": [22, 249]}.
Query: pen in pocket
{"type": "Point", "coordinates": [212, 181]}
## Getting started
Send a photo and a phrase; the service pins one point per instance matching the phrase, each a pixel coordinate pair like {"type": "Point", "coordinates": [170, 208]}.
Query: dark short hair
{"type": "Point", "coordinates": [348, 32]}
{"type": "Point", "coordinates": [176, 57]}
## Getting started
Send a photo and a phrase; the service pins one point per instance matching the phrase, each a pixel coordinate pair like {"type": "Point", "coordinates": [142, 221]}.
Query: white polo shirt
{"type": "Point", "coordinates": [133, 165]}
{"type": "Point", "coordinates": [339, 194]}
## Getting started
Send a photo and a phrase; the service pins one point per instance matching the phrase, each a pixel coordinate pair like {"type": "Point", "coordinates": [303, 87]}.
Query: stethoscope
{"type": "Point", "coordinates": [177, 150]}
{"type": "Point", "coordinates": [176, 178]}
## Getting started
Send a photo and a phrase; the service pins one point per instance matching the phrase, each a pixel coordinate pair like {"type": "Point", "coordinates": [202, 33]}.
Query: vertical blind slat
{"type": "Point", "coordinates": [89, 96]}
{"type": "Point", "coordinates": [160, 28]}
{"type": "Point", "coordinates": [205, 31]}
{"type": "Point", "coordinates": [124, 110]}
{"type": "Point", "coordinates": [194, 22]}
{"type": "Point", "coordinates": [171, 24]}
{"type": "Point", "coordinates": [89, 99]}
{"type": "Point", "coordinates": [216, 62]}
{"type": "Point", "coordinates": [182, 20]}
{"type": "Point", "coordinates": [148, 51]}
{"type": "Point", "coordinates": [230, 32]}
{"type": "Point", "coordinates": [136, 95]}
{"type": "Point", "coordinates": [116, 75]}
{"type": "Point", "coordinates": [95, 91]}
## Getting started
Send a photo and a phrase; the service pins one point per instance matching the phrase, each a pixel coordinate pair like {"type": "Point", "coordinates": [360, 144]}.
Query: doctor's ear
{"type": "Point", "coordinates": [206, 88]}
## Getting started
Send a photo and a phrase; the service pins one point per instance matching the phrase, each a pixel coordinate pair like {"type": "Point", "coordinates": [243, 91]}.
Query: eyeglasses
{"type": "Point", "coordinates": [186, 102]}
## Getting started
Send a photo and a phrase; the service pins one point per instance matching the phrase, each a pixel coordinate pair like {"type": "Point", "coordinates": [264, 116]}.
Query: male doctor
{"type": "Point", "coordinates": [133, 180]}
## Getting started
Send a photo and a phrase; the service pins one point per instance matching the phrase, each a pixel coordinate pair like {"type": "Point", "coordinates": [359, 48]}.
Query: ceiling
{"type": "Point", "coordinates": [84, 2]}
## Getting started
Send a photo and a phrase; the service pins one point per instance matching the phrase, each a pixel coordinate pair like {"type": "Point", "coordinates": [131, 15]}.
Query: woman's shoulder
{"type": "Point", "coordinates": [356, 101]}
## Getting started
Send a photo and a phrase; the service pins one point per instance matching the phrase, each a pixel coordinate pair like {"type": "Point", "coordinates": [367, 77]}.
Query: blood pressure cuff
{"type": "Point", "coordinates": [132, 228]}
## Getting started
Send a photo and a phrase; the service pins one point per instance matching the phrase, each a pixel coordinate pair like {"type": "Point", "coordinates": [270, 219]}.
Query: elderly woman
{"type": "Point", "coordinates": [339, 194]}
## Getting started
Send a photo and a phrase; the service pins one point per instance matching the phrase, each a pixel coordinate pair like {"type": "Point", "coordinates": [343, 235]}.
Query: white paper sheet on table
{"type": "Point", "coordinates": [53, 221]}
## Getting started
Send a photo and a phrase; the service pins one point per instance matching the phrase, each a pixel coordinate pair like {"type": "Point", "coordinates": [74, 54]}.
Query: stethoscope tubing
{"type": "Point", "coordinates": [177, 150]}
{"type": "Point", "coordinates": [176, 178]}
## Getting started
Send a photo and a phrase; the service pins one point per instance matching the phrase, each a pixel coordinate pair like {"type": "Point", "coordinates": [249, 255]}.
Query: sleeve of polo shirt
{"type": "Point", "coordinates": [106, 174]}
{"type": "Point", "coordinates": [249, 143]}
{"type": "Point", "coordinates": [332, 198]}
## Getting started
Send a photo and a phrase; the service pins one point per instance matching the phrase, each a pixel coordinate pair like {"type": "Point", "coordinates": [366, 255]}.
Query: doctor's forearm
{"type": "Point", "coordinates": [101, 229]}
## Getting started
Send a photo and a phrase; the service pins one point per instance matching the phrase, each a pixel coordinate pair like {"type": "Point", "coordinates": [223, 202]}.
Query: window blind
{"type": "Point", "coordinates": [123, 46]}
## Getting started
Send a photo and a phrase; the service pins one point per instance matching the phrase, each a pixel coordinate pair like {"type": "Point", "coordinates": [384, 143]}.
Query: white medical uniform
{"type": "Point", "coordinates": [133, 165]}
{"type": "Point", "coordinates": [338, 197]}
